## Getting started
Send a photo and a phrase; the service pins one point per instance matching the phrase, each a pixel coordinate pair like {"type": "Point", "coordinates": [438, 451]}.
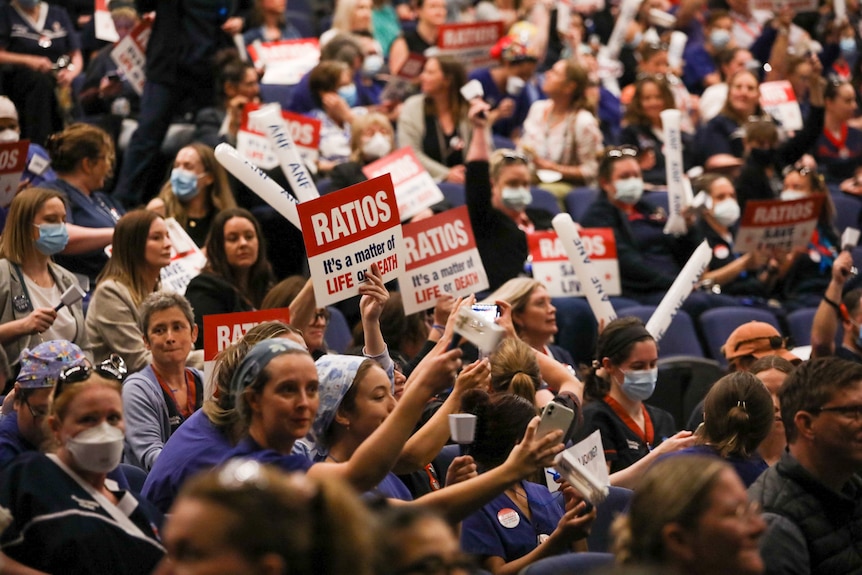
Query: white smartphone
{"type": "Point", "coordinates": [555, 416]}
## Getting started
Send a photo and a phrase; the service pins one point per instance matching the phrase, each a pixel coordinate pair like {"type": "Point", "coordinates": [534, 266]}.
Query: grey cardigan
{"type": "Point", "coordinates": [411, 132]}
{"type": "Point", "coordinates": [11, 287]}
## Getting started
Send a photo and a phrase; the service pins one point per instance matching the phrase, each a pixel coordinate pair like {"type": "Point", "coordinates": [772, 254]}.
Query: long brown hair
{"type": "Point", "coordinates": [260, 277]}
{"type": "Point", "coordinates": [454, 71]}
{"type": "Point", "coordinates": [129, 245]}
{"type": "Point", "coordinates": [220, 194]}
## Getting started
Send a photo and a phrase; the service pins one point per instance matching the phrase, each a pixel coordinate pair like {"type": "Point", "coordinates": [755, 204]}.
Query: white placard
{"type": "Point", "coordinates": [441, 259]}
{"type": "Point", "coordinates": [258, 182]}
{"type": "Point", "coordinates": [187, 259]}
{"type": "Point", "coordinates": [779, 100]}
{"type": "Point", "coordinates": [591, 280]}
{"type": "Point", "coordinates": [777, 224]}
{"type": "Point", "coordinates": [552, 267]}
{"type": "Point", "coordinates": [285, 150]}
{"type": "Point", "coordinates": [130, 55]}
{"type": "Point", "coordinates": [679, 291]}
{"type": "Point", "coordinates": [253, 144]}
{"type": "Point", "coordinates": [591, 454]}
{"type": "Point", "coordinates": [674, 171]}
{"type": "Point", "coordinates": [414, 186]}
{"type": "Point", "coordinates": [285, 61]}
{"type": "Point", "coordinates": [104, 24]}
{"type": "Point", "coordinates": [347, 231]}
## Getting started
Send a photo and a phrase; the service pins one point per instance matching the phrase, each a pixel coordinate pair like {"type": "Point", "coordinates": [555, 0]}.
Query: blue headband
{"type": "Point", "coordinates": [257, 359]}
{"type": "Point", "coordinates": [336, 374]}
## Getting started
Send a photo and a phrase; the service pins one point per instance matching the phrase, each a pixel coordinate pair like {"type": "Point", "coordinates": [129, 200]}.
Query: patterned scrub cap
{"type": "Point", "coordinates": [41, 366]}
{"type": "Point", "coordinates": [336, 374]}
{"type": "Point", "coordinates": [257, 359]}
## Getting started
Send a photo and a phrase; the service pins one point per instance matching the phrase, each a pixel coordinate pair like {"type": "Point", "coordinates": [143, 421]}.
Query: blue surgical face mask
{"type": "Point", "coordinates": [629, 190]}
{"type": "Point", "coordinates": [719, 38]}
{"type": "Point", "coordinates": [516, 198]}
{"type": "Point", "coordinates": [28, 4]}
{"type": "Point", "coordinates": [52, 238]}
{"type": "Point", "coordinates": [639, 385]}
{"type": "Point", "coordinates": [847, 45]}
{"type": "Point", "coordinates": [348, 92]}
{"type": "Point", "coordinates": [184, 184]}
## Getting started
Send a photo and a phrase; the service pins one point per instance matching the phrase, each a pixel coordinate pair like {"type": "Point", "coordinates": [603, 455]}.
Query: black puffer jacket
{"type": "Point", "coordinates": [813, 529]}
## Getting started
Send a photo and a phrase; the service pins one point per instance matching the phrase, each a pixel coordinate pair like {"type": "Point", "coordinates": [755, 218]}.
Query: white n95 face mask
{"type": "Point", "coordinates": [97, 449]}
{"type": "Point", "coordinates": [376, 146]}
{"type": "Point", "coordinates": [726, 212]}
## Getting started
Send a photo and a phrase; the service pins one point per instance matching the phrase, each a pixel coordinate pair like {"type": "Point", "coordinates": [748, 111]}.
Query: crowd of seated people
{"type": "Point", "coordinates": [119, 455]}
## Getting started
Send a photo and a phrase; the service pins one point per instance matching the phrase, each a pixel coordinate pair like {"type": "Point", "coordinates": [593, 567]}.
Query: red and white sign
{"type": "Point", "coordinates": [103, 22]}
{"type": "Point", "coordinates": [13, 160]}
{"type": "Point", "coordinates": [552, 267]}
{"type": "Point", "coordinates": [221, 330]}
{"type": "Point", "coordinates": [440, 259]}
{"type": "Point", "coordinates": [130, 55]}
{"type": "Point", "coordinates": [187, 259]}
{"type": "Point", "coordinates": [286, 61]}
{"type": "Point", "coordinates": [254, 145]}
{"type": "Point", "coordinates": [777, 224]}
{"type": "Point", "coordinates": [775, 6]}
{"type": "Point", "coordinates": [470, 43]}
{"type": "Point", "coordinates": [779, 100]}
{"type": "Point", "coordinates": [347, 231]}
{"type": "Point", "coordinates": [414, 186]}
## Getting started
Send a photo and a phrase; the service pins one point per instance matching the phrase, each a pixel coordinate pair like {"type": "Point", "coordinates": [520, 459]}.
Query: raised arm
{"type": "Point", "coordinates": [828, 314]}
{"type": "Point", "coordinates": [458, 501]}
{"type": "Point", "coordinates": [376, 456]}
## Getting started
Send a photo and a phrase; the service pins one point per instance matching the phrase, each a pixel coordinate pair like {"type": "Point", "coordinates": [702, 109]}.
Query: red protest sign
{"type": "Point", "coordinates": [778, 224]}
{"type": "Point", "coordinates": [221, 330]}
{"type": "Point", "coordinates": [552, 267]}
{"type": "Point", "coordinates": [441, 258]}
{"type": "Point", "coordinates": [347, 231]}
{"type": "Point", "coordinates": [13, 159]}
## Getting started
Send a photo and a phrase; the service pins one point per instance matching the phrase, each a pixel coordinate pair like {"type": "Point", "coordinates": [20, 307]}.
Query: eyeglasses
{"type": "Point", "coordinates": [622, 152]}
{"type": "Point", "coordinates": [775, 342]}
{"type": "Point", "coordinates": [438, 566]}
{"type": "Point", "coordinates": [35, 413]}
{"type": "Point", "coordinates": [112, 368]}
{"type": "Point", "coordinates": [850, 411]}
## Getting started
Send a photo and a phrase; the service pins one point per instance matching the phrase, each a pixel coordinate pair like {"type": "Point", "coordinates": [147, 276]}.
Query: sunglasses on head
{"type": "Point", "coordinates": [113, 368]}
{"type": "Point", "coordinates": [775, 342]}
{"type": "Point", "coordinates": [622, 152]}
{"type": "Point", "coordinates": [509, 156]}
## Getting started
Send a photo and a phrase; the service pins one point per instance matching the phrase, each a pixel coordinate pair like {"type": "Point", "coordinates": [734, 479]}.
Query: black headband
{"type": "Point", "coordinates": [622, 338]}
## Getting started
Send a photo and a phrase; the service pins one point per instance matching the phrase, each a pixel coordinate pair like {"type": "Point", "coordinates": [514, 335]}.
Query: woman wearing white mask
{"type": "Point", "coordinates": [750, 275]}
{"type": "Point", "coordinates": [68, 517]}
{"type": "Point", "coordinates": [197, 190]}
{"type": "Point", "coordinates": [371, 138]}
{"type": "Point", "coordinates": [30, 282]}
{"type": "Point", "coordinates": [621, 378]}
